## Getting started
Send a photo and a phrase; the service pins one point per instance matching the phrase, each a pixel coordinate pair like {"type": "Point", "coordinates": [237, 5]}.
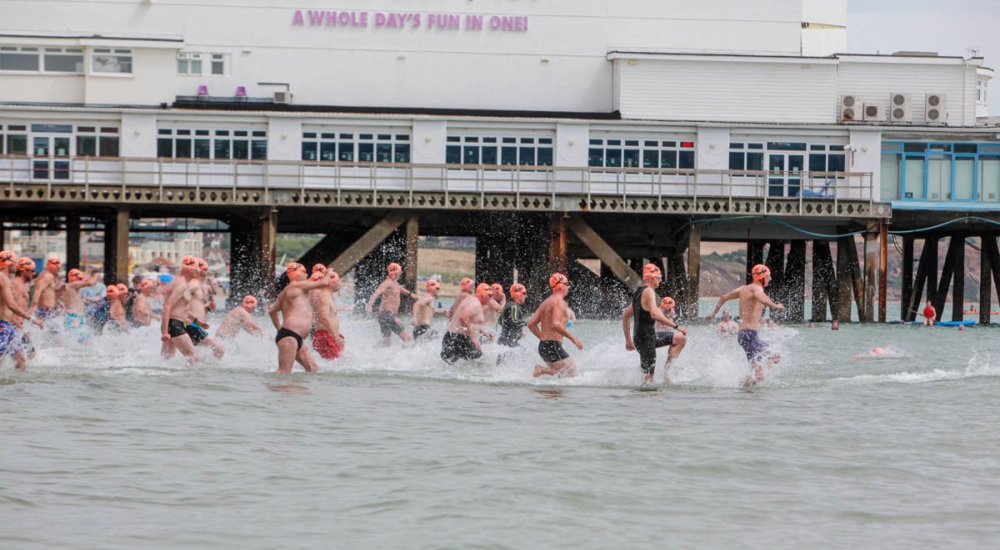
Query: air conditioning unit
{"type": "Point", "coordinates": [899, 108]}
{"type": "Point", "coordinates": [283, 97]}
{"type": "Point", "coordinates": [874, 112]}
{"type": "Point", "coordinates": [936, 109]}
{"type": "Point", "coordinates": [850, 108]}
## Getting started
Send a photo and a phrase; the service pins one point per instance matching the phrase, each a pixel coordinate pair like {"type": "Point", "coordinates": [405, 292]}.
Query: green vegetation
{"type": "Point", "coordinates": [739, 256]}
{"type": "Point", "coordinates": [292, 245]}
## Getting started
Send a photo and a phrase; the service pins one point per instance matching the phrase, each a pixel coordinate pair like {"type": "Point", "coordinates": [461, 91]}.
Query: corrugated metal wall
{"type": "Point", "coordinates": [876, 81]}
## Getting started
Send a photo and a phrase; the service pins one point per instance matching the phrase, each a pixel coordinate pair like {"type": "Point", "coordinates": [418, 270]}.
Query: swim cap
{"type": "Point", "coordinates": [189, 261]}
{"type": "Point", "coordinates": [250, 301]}
{"type": "Point", "coordinates": [317, 276]}
{"type": "Point", "coordinates": [650, 270]}
{"type": "Point", "coordinates": [518, 289]}
{"type": "Point", "coordinates": [112, 291]}
{"type": "Point", "coordinates": [319, 268]}
{"type": "Point", "coordinates": [146, 284]}
{"type": "Point", "coordinates": [122, 289]}
{"type": "Point", "coordinates": [467, 284]}
{"type": "Point", "coordinates": [294, 266]}
{"type": "Point", "coordinates": [74, 275]}
{"type": "Point", "coordinates": [394, 268]}
{"type": "Point", "coordinates": [334, 277]}
{"type": "Point", "coordinates": [483, 289]}
{"type": "Point", "coordinates": [497, 288]}
{"type": "Point", "coordinates": [760, 271]}
{"type": "Point", "coordinates": [55, 262]}
{"type": "Point", "coordinates": [7, 258]}
{"type": "Point", "coordinates": [432, 285]}
{"type": "Point", "coordinates": [25, 264]}
{"type": "Point", "coordinates": [558, 279]}
{"type": "Point", "coordinates": [667, 301]}
{"type": "Point", "coordinates": [202, 265]}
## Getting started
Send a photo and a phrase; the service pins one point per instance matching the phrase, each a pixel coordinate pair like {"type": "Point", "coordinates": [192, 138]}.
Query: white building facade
{"type": "Point", "coordinates": [731, 97]}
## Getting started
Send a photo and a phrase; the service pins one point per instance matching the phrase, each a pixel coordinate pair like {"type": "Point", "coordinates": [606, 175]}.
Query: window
{"type": "Point", "coordinates": [205, 144]}
{"type": "Point", "coordinates": [96, 142]}
{"type": "Point", "coordinates": [14, 140]}
{"type": "Point", "coordinates": [820, 157]}
{"type": "Point", "coordinates": [356, 147]}
{"type": "Point", "coordinates": [113, 61]}
{"type": "Point", "coordinates": [495, 150]}
{"type": "Point", "coordinates": [218, 64]}
{"type": "Point", "coordinates": [63, 60]}
{"type": "Point", "coordinates": [640, 153]}
{"type": "Point", "coordinates": [19, 58]}
{"type": "Point", "coordinates": [189, 63]}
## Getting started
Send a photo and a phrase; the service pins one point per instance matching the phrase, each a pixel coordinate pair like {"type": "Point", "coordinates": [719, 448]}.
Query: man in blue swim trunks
{"type": "Point", "coordinates": [752, 301]}
{"type": "Point", "coordinates": [10, 339]}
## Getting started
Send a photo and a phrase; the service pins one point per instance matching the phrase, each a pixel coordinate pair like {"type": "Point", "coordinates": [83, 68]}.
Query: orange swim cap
{"type": "Point", "coordinates": [25, 264]}
{"type": "Point", "coordinates": [432, 285]}
{"type": "Point", "coordinates": [667, 301]}
{"type": "Point", "coordinates": [74, 275]}
{"type": "Point", "coordinates": [146, 284]}
{"type": "Point", "coordinates": [250, 301]}
{"type": "Point", "coordinates": [189, 261]}
{"type": "Point", "coordinates": [483, 290]}
{"type": "Point", "coordinates": [760, 271]}
{"type": "Point", "coordinates": [394, 268]}
{"type": "Point", "coordinates": [317, 276]}
{"type": "Point", "coordinates": [202, 265]}
{"type": "Point", "coordinates": [112, 291]}
{"type": "Point", "coordinates": [467, 284]}
{"type": "Point", "coordinates": [518, 289]}
{"type": "Point", "coordinates": [497, 288]}
{"type": "Point", "coordinates": [6, 259]}
{"type": "Point", "coordinates": [294, 266]}
{"type": "Point", "coordinates": [319, 268]}
{"type": "Point", "coordinates": [650, 270]}
{"type": "Point", "coordinates": [558, 279]}
{"type": "Point", "coordinates": [334, 277]}
{"type": "Point", "coordinates": [55, 262]}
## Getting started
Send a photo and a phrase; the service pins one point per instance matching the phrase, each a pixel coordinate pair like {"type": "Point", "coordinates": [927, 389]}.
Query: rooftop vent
{"type": "Point", "coordinates": [905, 53]}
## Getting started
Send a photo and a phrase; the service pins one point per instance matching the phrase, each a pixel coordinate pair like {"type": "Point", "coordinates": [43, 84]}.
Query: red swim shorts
{"type": "Point", "coordinates": [325, 345]}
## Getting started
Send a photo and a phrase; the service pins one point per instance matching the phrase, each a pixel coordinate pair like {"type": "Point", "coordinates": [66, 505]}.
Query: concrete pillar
{"type": "Point", "coordinates": [412, 244]}
{"type": "Point", "coordinates": [72, 241]}
{"type": "Point", "coordinates": [252, 256]}
{"type": "Point", "coordinates": [694, 273]}
{"type": "Point", "coordinates": [795, 283]}
{"type": "Point", "coordinates": [116, 228]}
{"type": "Point", "coordinates": [557, 243]}
{"type": "Point", "coordinates": [268, 252]}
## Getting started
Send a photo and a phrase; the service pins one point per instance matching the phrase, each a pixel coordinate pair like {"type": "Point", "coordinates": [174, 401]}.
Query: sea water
{"type": "Point", "coordinates": [105, 445]}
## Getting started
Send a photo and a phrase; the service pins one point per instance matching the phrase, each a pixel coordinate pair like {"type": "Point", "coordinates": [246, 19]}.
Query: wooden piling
{"type": "Point", "coordinates": [985, 282]}
{"type": "Point", "coordinates": [795, 283]}
{"type": "Point", "coordinates": [824, 282]}
{"type": "Point", "coordinates": [906, 312]}
{"type": "Point", "coordinates": [883, 270]}
{"type": "Point", "coordinates": [867, 314]}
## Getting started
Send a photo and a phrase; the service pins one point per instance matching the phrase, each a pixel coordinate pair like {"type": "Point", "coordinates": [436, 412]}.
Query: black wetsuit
{"type": "Point", "coordinates": [511, 324]}
{"type": "Point", "coordinates": [644, 334]}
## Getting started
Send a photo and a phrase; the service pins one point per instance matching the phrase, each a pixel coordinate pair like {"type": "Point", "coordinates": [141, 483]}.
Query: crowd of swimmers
{"type": "Point", "coordinates": [306, 310]}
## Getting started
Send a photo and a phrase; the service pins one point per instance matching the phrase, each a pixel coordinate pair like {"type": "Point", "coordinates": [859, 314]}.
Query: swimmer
{"type": "Point", "coordinates": [929, 315]}
{"type": "Point", "coordinates": [142, 313]}
{"type": "Point", "coordinates": [493, 308]}
{"type": "Point", "coordinates": [727, 327]}
{"type": "Point", "coordinates": [669, 309]}
{"type": "Point", "coordinates": [423, 311]}
{"type": "Point", "coordinates": [318, 268]}
{"type": "Point", "coordinates": [21, 287]}
{"type": "Point", "coordinates": [177, 312]}
{"type": "Point", "coordinates": [835, 325]}
{"type": "Point", "coordinates": [643, 337]}
{"type": "Point", "coordinates": [198, 305]}
{"type": "Point", "coordinates": [752, 301]}
{"type": "Point", "coordinates": [117, 294]}
{"type": "Point", "coordinates": [512, 319]}
{"type": "Point", "coordinates": [208, 286]}
{"type": "Point", "coordinates": [390, 291]}
{"type": "Point", "coordinates": [43, 301]}
{"type": "Point", "coordinates": [239, 319]}
{"type": "Point", "coordinates": [296, 318]}
{"type": "Point", "coordinates": [462, 339]}
{"type": "Point", "coordinates": [549, 325]}
{"type": "Point", "coordinates": [466, 285]}
{"type": "Point", "coordinates": [873, 353]}
{"type": "Point", "coordinates": [10, 340]}
{"type": "Point", "coordinates": [74, 323]}
{"type": "Point", "coordinates": [327, 339]}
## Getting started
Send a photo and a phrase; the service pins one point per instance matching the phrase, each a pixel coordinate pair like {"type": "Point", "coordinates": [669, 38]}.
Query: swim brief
{"type": "Point", "coordinates": [387, 322]}
{"type": "Point", "coordinates": [754, 347]}
{"type": "Point", "coordinates": [10, 340]}
{"type": "Point", "coordinates": [458, 346]}
{"type": "Point", "coordinates": [325, 345]}
{"type": "Point", "coordinates": [196, 333]}
{"type": "Point", "coordinates": [285, 333]}
{"type": "Point", "coordinates": [175, 328]}
{"type": "Point", "coordinates": [552, 351]}
{"type": "Point", "coordinates": [423, 332]}
{"type": "Point", "coordinates": [647, 349]}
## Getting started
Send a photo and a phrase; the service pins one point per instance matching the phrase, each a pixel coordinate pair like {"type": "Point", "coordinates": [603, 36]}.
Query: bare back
{"type": "Point", "coordinates": [423, 311]}
{"type": "Point", "coordinates": [468, 318]}
{"type": "Point", "coordinates": [552, 314]}
{"type": "Point", "coordinates": [45, 290]}
{"type": "Point", "coordinates": [72, 297]}
{"type": "Point", "coordinates": [324, 311]}
{"type": "Point", "coordinates": [234, 321]}
{"type": "Point", "coordinates": [389, 290]}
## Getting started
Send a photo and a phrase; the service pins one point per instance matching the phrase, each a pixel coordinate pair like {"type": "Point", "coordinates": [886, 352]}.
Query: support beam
{"type": "Point", "coordinates": [371, 239]}
{"type": "Point", "coordinates": [870, 279]}
{"type": "Point", "coordinates": [676, 276]}
{"type": "Point", "coordinates": [927, 256]}
{"type": "Point", "coordinates": [956, 245]}
{"type": "Point", "coordinates": [602, 249]}
{"type": "Point", "coordinates": [845, 279]}
{"type": "Point", "coordinates": [990, 249]}
{"type": "Point", "coordinates": [755, 255]}
{"type": "Point", "coordinates": [958, 286]}
{"type": "Point", "coordinates": [557, 243]}
{"type": "Point", "coordinates": [72, 241]}
{"type": "Point", "coordinates": [795, 283]}
{"type": "Point", "coordinates": [412, 244]}
{"type": "Point", "coordinates": [824, 282]}
{"type": "Point", "coordinates": [985, 282]}
{"type": "Point", "coordinates": [883, 270]}
{"type": "Point", "coordinates": [116, 246]}
{"type": "Point", "coordinates": [690, 309]}
{"type": "Point", "coordinates": [3, 237]}
{"type": "Point", "coordinates": [776, 263]}
{"type": "Point", "coordinates": [906, 314]}
{"type": "Point", "coordinates": [268, 252]}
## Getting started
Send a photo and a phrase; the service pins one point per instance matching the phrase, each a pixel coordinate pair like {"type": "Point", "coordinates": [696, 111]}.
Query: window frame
{"type": "Point", "coordinates": [524, 151]}
{"type": "Point", "coordinates": [347, 145]}
{"type": "Point", "coordinates": [120, 54]}
{"type": "Point", "coordinates": [671, 152]}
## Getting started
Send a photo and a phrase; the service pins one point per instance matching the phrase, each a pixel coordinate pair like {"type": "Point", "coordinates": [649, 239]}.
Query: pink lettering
{"type": "Point", "coordinates": [364, 19]}
{"type": "Point", "coordinates": [454, 22]}
{"type": "Point", "coordinates": [297, 20]}
{"type": "Point", "coordinates": [416, 21]}
{"type": "Point", "coordinates": [380, 19]}
{"type": "Point", "coordinates": [344, 18]}
{"type": "Point", "coordinates": [495, 22]}
{"type": "Point", "coordinates": [331, 19]}
{"type": "Point", "coordinates": [519, 23]}
{"type": "Point", "coordinates": [316, 17]}
{"type": "Point", "coordinates": [393, 20]}
{"type": "Point", "coordinates": [508, 23]}
{"type": "Point", "coordinates": [474, 22]}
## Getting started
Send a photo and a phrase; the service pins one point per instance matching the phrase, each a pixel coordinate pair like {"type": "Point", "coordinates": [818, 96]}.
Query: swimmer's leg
{"type": "Point", "coordinates": [563, 368]}
{"type": "Point", "coordinates": [305, 358]}
{"type": "Point", "coordinates": [287, 350]}
{"type": "Point", "coordinates": [184, 344]}
{"type": "Point", "coordinates": [217, 348]}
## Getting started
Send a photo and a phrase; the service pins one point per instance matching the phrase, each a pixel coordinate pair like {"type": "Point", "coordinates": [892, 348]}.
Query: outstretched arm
{"type": "Point", "coordinates": [766, 300]}
{"type": "Point", "coordinates": [378, 292]}
{"type": "Point", "coordinates": [722, 300]}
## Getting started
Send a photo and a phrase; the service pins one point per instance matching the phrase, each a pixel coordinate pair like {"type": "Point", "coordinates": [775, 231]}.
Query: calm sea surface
{"type": "Point", "coordinates": [106, 446]}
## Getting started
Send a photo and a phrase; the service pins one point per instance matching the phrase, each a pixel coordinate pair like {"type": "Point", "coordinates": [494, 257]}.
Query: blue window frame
{"type": "Point", "coordinates": [942, 172]}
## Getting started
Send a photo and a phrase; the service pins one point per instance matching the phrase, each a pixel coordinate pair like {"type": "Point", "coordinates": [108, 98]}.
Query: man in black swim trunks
{"type": "Point", "coordinates": [646, 314]}
{"type": "Point", "coordinates": [296, 318]}
{"type": "Point", "coordinates": [462, 339]}
{"type": "Point", "coordinates": [549, 325]}
{"type": "Point", "coordinates": [390, 291]}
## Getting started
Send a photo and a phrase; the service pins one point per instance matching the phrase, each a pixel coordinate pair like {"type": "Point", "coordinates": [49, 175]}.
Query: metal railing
{"type": "Point", "coordinates": [623, 183]}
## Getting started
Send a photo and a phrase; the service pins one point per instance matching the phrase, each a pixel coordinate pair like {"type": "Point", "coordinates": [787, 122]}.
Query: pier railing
{"type": "Point", "coordinates": [318, 183]}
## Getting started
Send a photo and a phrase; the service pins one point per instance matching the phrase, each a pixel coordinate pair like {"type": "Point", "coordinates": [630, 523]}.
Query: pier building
{"type": "Point", "coordinates": [629, 132]}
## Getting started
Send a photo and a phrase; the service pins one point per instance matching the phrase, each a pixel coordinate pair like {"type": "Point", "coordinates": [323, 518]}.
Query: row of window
{"type": "Point", "coordinates": [64, 60]}
{"type": "Point", "coordinates": [193, 63]}
{"type": "Point", "coordinates": [821, 157]}
{"type": "Point", "coordinates": [644, 153]}
{"type": "Point", "coordinates": [940, 172]}
{"type": "Point", "coordinates": [89, 141]}
{"type": "Point", "coordinates": [499, 150]}
{"type": "Point", "coordinates": [209, 144]}
{"type": "Point", "coordinates": [355, 147]}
